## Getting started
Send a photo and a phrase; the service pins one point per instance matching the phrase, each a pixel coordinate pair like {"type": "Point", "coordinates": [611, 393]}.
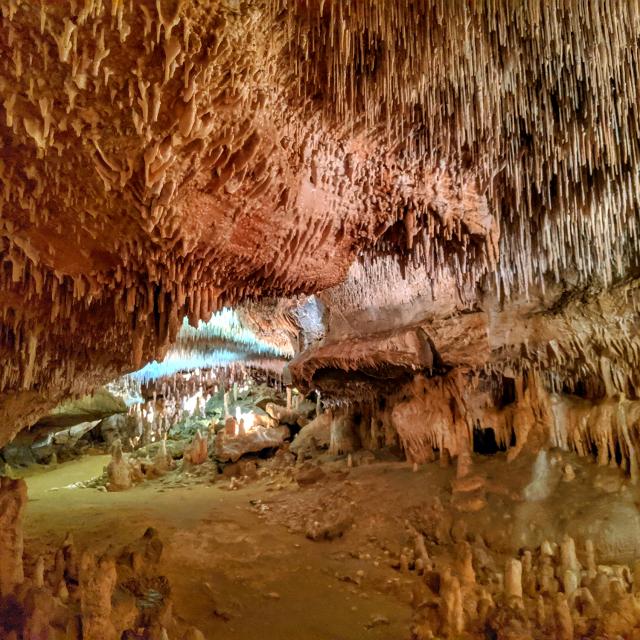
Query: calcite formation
{"type": "Point", "coordinates": [197, 451]}
{"type": "Point", "coordinates": [163, 159]}
{"type": "Point", "coordinates": [230, 447]}
{"type": "Point", "coordinates": [545, 593]}
{"type": "Point", "coordinates": [423, 213]}
{"type": "Point", "coordinates": [77, 594]}
{"type": "Point", "coordinates": [13, 498]}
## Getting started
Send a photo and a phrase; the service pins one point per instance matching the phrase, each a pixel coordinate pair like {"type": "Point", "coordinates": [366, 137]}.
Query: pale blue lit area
{"type": "Point", "coordinates": [175, 362]}
{"type": "Point", "coordinates": [218, 343]}
{"type": "Point", "coordinates": [225, 325]}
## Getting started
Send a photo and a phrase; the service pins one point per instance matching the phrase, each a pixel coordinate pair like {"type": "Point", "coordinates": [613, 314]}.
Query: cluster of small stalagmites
{"type": "Point", "coordinates": [76, 594]}
{"type": "Point", "coordinates": [13, 499]}
{"type": "Point", "coordinates": [514, 93]}
{"type": "Point", "coordinates": [125, 471]}
{"type": "Point", "coordinates": [552, 591]}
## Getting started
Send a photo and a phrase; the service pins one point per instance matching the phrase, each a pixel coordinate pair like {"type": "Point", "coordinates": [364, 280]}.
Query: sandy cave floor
{"type": "Point", "coordinates": [221, 559]}
{"type": "Point", "coordinates": [241, 566]}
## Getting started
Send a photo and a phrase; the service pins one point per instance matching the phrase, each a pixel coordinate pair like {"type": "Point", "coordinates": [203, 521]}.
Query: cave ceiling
{"type": "Point", "coordinates": [166, 159]}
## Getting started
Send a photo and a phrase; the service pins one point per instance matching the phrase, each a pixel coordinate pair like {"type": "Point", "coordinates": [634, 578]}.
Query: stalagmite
{"type": "Point", "coordinates": [97, 581]}
{"type": "Point", "coordinates": [568, 473]}
{"type": "Point", "coordinates": [38, 573]}
{"type": "Point", "coordinates": [452, 609]}
{"type": "Point", "coordinates": [513, 579]}
{"type": "Point", "coordinates": [466, 572]}
{"type": "Point", "coordinates": [568, 557]}
{"type": "Point", "coordinates": [13, 498]}
{"type": "Point", "coordinates": [197, 452]}
{"type": "Point", "coordinates": [591, 568]}
{"type": "Point", "coordinates": [570, 582]}
{"type": "Point", "coordinates": [563, 621]}
{"type": "Point", "coordinates": [118, 470]}
{"type": "Point", "coordinates": [547, 583]}
{"type": "Point", "coordinates": [226, 404]}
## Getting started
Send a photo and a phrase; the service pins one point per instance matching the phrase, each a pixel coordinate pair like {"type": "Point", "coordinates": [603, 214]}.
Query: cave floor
{"type": "Point", "coordinates": [232, 575]}
{"type": "Point", "coordinates": [241, 566]}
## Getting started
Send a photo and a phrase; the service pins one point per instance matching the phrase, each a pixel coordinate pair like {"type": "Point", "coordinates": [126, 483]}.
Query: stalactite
{"type": "Point", "coordinates": [449, 147]}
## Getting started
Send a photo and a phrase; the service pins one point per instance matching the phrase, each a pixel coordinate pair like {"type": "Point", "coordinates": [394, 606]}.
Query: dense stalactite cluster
{"type": "Point", "coordinates": [425, 211]}
{"type": "Point", "coordinates": [160, 160]}
{"type": "Point", "coordinates": [179, 190]}
{"type": "Point", "coordinates": [222, 341]}
{"type": "Point", "coordinates": [537, 99]}
{"type": "Point", "coordinates": [161, 227]}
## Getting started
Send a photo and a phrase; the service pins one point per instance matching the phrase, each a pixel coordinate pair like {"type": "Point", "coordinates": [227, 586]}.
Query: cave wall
{"type": "Point", "coordinates": [163, 159]}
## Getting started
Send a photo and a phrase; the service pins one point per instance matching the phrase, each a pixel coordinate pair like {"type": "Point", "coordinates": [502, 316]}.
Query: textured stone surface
{"type": "Point", "coordinates": [13, 499]}
{"type": "Point", "coordinates": [161, 159]}
{"type": "Point", "coordinates": [229, 448]}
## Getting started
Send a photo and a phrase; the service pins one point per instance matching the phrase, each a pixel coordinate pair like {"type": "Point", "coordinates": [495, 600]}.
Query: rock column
{"type": "Point", "coordinates": [13, 497]}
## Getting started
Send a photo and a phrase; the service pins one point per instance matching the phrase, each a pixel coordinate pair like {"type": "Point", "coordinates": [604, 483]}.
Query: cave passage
{"type": "Point", "coordinates": [319, 320]}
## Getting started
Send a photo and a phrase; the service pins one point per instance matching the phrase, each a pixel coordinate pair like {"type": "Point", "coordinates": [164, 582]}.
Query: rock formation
{"type": "Point", "coordinates": [424, 215]}
{"type": "Point", "coordinates": [230, 447]}
{"type": "Point", "coordinates": [13, 497]}
{"type": "Point", "coordinates": [83, 596]}
{"type": "Point", "coordinates": [257, 148]}
{"type": "Point", "coordinates": [197, 452]}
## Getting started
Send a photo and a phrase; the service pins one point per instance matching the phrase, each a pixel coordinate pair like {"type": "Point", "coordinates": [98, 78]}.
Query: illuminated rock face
{"type": "Point", "coordinates": [162, 159]}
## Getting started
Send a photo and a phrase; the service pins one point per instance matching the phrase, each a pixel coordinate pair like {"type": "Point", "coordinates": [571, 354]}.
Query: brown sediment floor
{"type": "Point", "coordinates": [232, 574]}
{"type": "Point", "coordinates": [241, 566]}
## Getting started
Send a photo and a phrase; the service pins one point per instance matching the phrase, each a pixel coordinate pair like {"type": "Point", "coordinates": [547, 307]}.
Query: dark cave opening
{"type": "Point", "coordinates": [485, 443]}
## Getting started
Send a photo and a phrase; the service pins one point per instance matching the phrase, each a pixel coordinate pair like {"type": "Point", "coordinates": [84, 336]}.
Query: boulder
{"type": "Point", "coordinates": [231, 448]}
{"type": "Point", "coordinates": [282, 414]}
{"type": "Point", "coordinates": [330, 525]}
{"type": "Point", "coordinates": [241, 468]}
{"type": "Point", "coordinates": [118, 426]}
{"type": "Point", "coordinates": [310, 475]}
{"type": "Point", "coordinates": [315, 435]}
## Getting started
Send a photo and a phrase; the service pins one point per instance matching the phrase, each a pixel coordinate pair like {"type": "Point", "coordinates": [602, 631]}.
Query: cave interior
{"type": "Point", "coordinates": [319, 319]}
